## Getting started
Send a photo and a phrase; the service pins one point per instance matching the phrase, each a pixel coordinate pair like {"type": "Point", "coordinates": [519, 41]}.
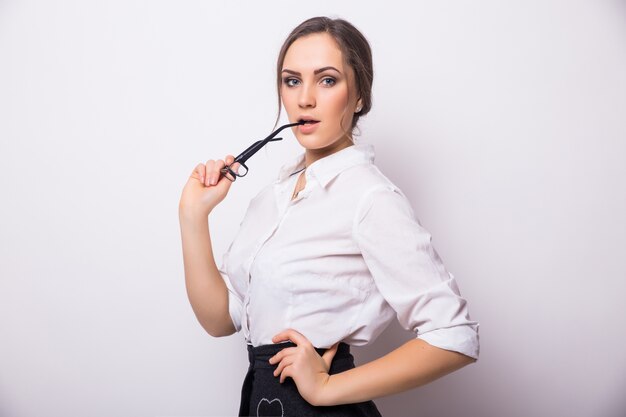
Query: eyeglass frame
{"type": "Point", "coordinates": [251, 150]}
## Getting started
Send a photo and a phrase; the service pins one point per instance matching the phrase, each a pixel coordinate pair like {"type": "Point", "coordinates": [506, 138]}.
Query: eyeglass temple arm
{"type": "Point", "coordinates": [255, 146]}
{"type": "Point", "coordinates": [252, 149]}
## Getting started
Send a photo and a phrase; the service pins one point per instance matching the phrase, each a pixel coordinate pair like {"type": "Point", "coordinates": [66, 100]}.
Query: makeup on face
{"type": "Point", "coordinates": [315, 90]}
{"type": "Point", "coordinates": [308, 124]}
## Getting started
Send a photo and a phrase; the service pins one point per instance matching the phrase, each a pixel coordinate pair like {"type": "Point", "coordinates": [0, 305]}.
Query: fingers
{"type": "Point", "coordinates": [199, 171]}
{"type": "Point", "coordinates": [209, 172]}
{"type": "Point", "coordinates": [284, 352]}
{"type": "Point", "coordinates": [284, 358]}
{"type": "Point", "coordinates": [330, 354]}
{"type": "Point", "coordinates": [229, 161]}
{"type": "Point", "coordinates": [285, 372]}
{"type": "Point", "coordinates": [293, 335]}
{"type": "Point", "coordinates": [215, 172]}
{"type": "Point", "coordinates": [284, 363]}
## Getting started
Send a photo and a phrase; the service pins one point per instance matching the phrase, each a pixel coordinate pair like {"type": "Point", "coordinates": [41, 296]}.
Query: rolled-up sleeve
{"type": "Point", "coordinates": [235, 301]}
{"type": "Point", "coordinates": [409, 273]}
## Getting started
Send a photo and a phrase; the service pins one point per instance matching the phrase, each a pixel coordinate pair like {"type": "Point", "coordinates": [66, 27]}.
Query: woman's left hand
{"type": "Point", "coordinates": [303, 364]}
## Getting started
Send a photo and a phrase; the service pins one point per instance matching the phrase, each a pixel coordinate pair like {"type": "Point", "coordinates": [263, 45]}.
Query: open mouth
{"type": "Point", "coordinates": [308, 121]}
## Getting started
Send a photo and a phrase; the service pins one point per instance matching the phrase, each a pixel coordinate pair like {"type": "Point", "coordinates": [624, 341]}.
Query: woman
{"type": "Point", "coordinates": [326, 255]}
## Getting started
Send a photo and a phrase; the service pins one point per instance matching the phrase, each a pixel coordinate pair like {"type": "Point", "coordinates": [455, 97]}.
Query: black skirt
{"type": "Point", "coordinates": [262, 393]}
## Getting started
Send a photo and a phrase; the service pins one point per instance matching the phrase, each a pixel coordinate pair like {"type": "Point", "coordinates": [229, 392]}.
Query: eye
{"type": "Point", "coordinates": [287, 81]}
{"type": "Point", "coordinates": [329, 79]}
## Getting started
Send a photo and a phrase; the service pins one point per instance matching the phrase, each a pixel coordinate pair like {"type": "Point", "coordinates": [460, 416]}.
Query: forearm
{"type": "Point", "coordinates": [206, 289]}
{"type": "Point", "coordinates": [413, 364]}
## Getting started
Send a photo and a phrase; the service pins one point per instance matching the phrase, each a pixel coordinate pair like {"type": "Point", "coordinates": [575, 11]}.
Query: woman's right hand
{"type": "Point", "coordinates": [200, 195]}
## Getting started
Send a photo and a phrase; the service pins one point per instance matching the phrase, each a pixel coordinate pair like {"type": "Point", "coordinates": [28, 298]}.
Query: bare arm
{"type": "Point", "coordinates": [413, 364]}
{"type": "Point", "coordinates": [206, 289]}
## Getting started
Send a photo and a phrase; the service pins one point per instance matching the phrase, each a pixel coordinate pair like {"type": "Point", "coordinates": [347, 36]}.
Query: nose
{"type": "Point", "coordinates": [307, 96]}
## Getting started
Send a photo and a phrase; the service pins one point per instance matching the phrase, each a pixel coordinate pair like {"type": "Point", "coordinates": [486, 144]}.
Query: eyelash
{"type": "Point", "coordinates": [286, 81]}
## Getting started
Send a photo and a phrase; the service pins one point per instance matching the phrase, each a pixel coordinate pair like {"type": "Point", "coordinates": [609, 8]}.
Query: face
{"type": "Point", "coordinates": [316, 84]}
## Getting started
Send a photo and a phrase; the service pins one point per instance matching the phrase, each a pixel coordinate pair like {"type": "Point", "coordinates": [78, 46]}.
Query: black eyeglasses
{"type": "Point", "coordinates": [245, 155]}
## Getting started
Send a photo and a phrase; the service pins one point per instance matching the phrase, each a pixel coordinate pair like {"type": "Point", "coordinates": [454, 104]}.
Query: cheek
{"type": "Point", "coordinates": [287, 97]}
{"type": "Point", "coordinates": [336, 99]}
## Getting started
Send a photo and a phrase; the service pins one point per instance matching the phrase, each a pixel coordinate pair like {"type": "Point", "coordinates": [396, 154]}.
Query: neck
{"type": "Point", "coordinates": [312, 155]}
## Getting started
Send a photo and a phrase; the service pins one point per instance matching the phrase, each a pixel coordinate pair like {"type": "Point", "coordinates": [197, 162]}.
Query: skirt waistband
{"type": "Point", "coordinates": [259, 356]}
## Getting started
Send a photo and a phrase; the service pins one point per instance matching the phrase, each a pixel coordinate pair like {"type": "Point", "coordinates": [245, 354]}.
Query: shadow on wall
{"type": "Point", "coordinates": [618, 407]}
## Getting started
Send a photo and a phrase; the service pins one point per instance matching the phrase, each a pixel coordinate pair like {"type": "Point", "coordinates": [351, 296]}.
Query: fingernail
{"type": "Point", "coordinates": [213, 181]}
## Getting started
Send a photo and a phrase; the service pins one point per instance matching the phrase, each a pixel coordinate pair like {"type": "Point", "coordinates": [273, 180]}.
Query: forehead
{"type": "Point", "coordinates": [313, 51]}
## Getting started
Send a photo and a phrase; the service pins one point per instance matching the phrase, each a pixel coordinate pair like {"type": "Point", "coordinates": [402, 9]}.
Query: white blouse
{"type": "Point", "coordinates": [340, 261]}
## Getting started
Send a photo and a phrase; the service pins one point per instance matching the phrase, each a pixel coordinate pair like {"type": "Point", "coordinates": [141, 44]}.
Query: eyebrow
{"type": "Point", "coordinates": [317, 71]}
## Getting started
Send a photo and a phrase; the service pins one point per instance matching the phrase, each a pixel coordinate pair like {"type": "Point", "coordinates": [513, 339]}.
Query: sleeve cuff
{"type": "Point", "coordinates": [463, 339]}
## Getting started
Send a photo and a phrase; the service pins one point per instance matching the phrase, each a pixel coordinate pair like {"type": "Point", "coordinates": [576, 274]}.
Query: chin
{"type": "Point", "coordinates": [309, 146]}
{"type": "Point", "coordinates": [311, 143]}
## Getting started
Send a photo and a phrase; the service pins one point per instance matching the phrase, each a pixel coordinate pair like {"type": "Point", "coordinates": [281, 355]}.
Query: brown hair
{"type": "Point", "coordinates": [355, 51]}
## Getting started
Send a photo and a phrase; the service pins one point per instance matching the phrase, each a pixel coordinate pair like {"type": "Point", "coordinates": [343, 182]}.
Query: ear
{"type": "Point", "coordinates": [359, 106]}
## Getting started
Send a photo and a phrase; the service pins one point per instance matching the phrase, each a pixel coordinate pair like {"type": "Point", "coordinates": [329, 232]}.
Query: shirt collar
{"type": "Point", "coordinates": [328, 167]}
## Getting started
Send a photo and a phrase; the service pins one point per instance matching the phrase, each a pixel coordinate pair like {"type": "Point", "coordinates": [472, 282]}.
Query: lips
{"type": "Point", "coordinates": [308, 120]}
{"type": "Point", "coordinates": [308, 127]}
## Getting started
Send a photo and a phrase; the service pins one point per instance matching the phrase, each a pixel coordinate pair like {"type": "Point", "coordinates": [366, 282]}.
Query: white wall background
{"type": "Point", "coordinates": [504, 123]}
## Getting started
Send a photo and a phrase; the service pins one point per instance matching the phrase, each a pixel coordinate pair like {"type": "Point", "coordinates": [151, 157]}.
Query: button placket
{"type": "Point", "coordinates": [283, 210]}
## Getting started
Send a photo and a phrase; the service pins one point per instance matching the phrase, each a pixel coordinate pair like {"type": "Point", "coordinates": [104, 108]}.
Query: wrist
{"type": "Point", "coordinates": [326, 394]}
{"type": "Point", "coordinates": [192, 214]}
